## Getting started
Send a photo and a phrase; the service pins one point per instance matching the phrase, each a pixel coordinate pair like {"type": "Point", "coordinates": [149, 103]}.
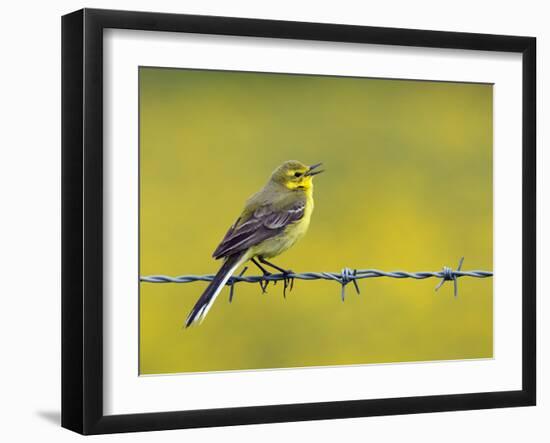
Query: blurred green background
{"type": "Point", "coordinates": [408, 185]}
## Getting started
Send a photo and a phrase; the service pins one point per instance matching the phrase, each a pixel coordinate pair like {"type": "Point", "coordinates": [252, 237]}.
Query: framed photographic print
{"type": "Point", "coordinates": [256, 214]}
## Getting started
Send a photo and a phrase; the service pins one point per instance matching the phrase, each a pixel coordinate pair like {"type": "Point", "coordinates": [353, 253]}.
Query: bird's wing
{"type": "Point", "coordinates": [265, 222]}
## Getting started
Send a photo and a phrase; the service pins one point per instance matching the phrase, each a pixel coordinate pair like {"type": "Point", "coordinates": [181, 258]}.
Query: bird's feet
{"type": "Point", "coordinates": [263, 283]}
{"type": "Point", "coordinates": [288, 281]}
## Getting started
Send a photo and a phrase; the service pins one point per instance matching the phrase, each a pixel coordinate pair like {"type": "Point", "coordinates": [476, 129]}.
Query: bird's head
{"type": "Point", "coordinates": [294, 175]}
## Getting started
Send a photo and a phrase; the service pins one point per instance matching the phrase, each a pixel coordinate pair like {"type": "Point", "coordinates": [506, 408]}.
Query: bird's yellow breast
{"type": "Point", "coordinates": [294, 232]}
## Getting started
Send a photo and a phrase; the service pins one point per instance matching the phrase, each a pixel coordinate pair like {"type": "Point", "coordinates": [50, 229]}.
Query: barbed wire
{"type": "Point", "coordinates": [344, 277]}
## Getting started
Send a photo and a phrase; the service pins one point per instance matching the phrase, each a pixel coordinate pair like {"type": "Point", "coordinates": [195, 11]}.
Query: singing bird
{"type": "Point", "coordinates": [272, 220]}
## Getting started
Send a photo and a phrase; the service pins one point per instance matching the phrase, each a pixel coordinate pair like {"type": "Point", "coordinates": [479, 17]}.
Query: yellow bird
{"type": "Point", "coordinates": [272, 220]}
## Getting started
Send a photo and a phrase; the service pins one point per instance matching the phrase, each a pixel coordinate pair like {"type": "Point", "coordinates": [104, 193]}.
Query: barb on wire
{"type": "Point", "coordinates": [344, 277]}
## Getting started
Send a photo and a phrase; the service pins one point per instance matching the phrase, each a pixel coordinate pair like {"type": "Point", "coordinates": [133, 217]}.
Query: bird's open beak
{"type": "Point", "coordinates": [311, 170]}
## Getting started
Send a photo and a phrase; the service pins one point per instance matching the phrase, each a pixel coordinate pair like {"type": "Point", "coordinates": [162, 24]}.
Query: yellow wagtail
{"type": "Point", "coordinates": [272, 221]}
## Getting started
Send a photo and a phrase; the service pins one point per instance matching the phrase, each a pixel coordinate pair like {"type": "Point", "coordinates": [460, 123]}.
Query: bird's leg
{"type": "Point", "coordinates": [265, 272]}
{"type": "Point", "coordinates": [288, 281]}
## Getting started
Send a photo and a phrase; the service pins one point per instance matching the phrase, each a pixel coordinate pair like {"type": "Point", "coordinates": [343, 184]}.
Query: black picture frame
{"type": "Point", "coordinates": [82, 220]}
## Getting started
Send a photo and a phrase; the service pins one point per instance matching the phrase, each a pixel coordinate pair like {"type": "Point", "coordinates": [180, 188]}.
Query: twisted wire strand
{"type": "Point", "coordinates": [345, 276]}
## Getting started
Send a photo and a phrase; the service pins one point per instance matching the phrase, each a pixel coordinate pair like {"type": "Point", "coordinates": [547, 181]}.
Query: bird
{"type": "Point", "coordinates": [272, 221]}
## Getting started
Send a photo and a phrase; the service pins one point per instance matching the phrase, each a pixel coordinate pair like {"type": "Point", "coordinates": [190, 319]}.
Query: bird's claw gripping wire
{"type": "Point", "coordinates": [448, 274]}
{"type": "Point", "coordinates": [263, 283]}
{"type": "Point", "coordinates": [288, 281]}
{"type": "Point", "coordinates": [287, 278]}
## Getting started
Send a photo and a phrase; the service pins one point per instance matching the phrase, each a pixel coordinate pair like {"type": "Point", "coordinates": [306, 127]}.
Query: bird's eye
{"type": "Point", "coordinates": [297, 174]}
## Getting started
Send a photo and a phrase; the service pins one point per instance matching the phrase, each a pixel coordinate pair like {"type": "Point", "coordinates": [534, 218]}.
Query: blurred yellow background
{"type": "Point", "coordinates": [408, 186]}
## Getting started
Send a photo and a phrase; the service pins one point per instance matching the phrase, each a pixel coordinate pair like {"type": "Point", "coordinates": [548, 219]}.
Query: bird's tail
{"type": "Point", "coordinates": [206, 300]}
